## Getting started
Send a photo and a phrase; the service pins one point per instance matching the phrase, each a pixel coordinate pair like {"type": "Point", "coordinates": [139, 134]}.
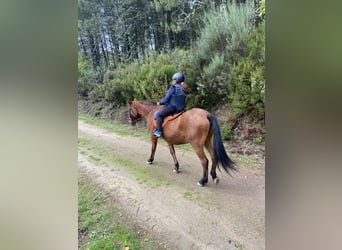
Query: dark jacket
{"type": "Point", "coordinates": [175, 96]}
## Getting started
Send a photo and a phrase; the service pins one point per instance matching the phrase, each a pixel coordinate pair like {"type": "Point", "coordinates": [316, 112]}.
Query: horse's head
{"type": "Point", "coordinates": [134, 115]}
{"type": "Point", "coordinates": [139, 109]}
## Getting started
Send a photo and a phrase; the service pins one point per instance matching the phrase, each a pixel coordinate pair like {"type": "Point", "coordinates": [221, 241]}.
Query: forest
{"type": "Point", "coordinates": [130, 50]}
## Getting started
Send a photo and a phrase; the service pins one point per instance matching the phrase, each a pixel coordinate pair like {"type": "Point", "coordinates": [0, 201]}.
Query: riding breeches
{"type": "Point", "coordinates": [161, 114]}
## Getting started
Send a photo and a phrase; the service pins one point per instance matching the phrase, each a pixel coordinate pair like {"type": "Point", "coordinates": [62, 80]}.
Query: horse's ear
{"type": "Point", "coordinates": [130, 102]}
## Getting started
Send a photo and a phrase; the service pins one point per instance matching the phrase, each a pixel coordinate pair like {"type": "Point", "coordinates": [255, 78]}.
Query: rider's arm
{"type": "Point", "coordinates": [168, 95]}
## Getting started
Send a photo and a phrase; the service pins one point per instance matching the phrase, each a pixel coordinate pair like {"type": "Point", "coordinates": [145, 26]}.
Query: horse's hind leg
{"type": "Point", "coordinates": [173, 153]}
{"type": "Point", "coordinates": [209, 146]}
{"type": "Point", "coordinates": [204, 161]}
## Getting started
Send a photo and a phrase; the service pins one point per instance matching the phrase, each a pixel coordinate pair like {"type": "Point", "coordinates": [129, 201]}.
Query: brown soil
{"type": "Point", "coordinates": [230, 215]}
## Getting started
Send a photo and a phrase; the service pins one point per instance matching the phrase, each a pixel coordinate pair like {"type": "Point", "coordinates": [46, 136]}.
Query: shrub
{"type": "Point", "coordinates": [225, 28]}
{"type": "Point", "coordinates": [247, 77]}
{"type": "Point", "coordinates": [226, 133]}
{"type": "Point", "coordinates": [87, 76]}
{"type": "Point", "coordinates": [147, 78]}
{"type": "Point", "coordinates": [220, 44]}
{"type": "Point", "coordinates": [108, 76]}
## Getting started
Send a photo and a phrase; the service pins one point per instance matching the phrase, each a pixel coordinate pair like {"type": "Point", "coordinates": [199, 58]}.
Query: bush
{"type": "Point", "coordinates": [220, 44]}
{"type": "Point", "coordinates": [108, 76]}
{"type": "Point", "coordinates": [212, 85]}
{"type": "Point", "coordinates": [84, 88]}
{"type": "Point", "coordinates": [87, 77]}
{"type": "Point", "coordinates": [247, 84]}
{"type": "Point", "coordinates": [226, 133]}
{"type": "Point", "coordinates": [225, 28]}
{"type": "Point", "coordinates": [147, 78]}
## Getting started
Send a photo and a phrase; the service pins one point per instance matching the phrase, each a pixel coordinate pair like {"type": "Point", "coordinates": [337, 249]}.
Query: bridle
{"type": "Point", "coordinates": [139, 116]}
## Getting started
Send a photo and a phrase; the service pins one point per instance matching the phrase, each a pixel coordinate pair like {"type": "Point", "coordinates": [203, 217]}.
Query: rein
{"type": "Point", "coordinates": [147, 112]}
{"type": "Point", "coordinates": [144, 115]}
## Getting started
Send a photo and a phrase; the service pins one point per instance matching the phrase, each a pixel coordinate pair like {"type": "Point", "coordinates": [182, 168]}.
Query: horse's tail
{"type": "Point", "coordinates": [220, 154]}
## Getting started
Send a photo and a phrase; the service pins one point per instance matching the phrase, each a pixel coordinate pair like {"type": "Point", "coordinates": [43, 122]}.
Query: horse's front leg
{"type": "Point", "coordinates": [173, 153]}
{"type": "Point", "coordinates": [154, 141]}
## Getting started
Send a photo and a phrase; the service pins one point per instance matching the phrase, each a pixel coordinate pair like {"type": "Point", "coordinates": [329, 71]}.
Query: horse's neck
{"type": "Point", "coordinates": [146, 109]}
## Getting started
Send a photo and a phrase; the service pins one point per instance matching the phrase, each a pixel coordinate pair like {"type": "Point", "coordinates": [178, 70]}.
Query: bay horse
{"type": "Point", "coordinates": [195, 126]}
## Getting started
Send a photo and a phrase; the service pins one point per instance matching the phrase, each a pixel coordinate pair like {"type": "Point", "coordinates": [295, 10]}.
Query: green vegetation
{"type": "Point", "coordinates": [107, 124]}
{"type": "Point", "coordinates": [147, 78]}
{"type": "Point", "coordinates": [218, 46]}
{"type": "Point", "coordinates": [99, 154]}
{"type": "Point", "coordinates": [101, 225]}
{"type": "Point", "coordinates": [226, 133]}
{"type": "Point", "coordinates": [248, 161]}
{"type": "Point", "coordinates": [248, 76]}
{"type": "Point", "coordinates": [103, 154]}
{"type": "Point", "coordinates": [187, 195]}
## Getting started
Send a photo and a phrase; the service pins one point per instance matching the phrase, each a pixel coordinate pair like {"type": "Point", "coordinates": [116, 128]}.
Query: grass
{"type": "Point", "coordinates": [187, 195]}
{"type": "Point", "coordinates": [110, 125]}
{"type": "Point", "coordinates": [248, 161]}
{"type": "Point", "coordinates": [98, 154]}
{"type": "Point", "coordinates": [101, 225]}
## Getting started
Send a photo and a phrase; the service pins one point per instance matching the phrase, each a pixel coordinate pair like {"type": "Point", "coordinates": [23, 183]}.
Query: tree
{"type": "Point", "coordinates": [115, 31]}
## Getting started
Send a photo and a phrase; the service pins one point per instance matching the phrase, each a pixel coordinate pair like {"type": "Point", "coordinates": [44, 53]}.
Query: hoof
{"type": "Point", "coordinates": [216, 180]}
{"type": "Point", "coordinates": [202, 182]}
{"type": "Point", "coordinates": [149, 162]}
{"type": "Point", "coordinates": [175, 170]}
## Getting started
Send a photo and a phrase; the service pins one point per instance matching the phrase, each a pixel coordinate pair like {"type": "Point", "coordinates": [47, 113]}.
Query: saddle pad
{"type": "Point", "coordinates": [167, 119]}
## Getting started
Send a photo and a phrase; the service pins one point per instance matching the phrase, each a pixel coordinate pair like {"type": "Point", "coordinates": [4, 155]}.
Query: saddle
{"type": "Point", "coordinates": [167, 119]}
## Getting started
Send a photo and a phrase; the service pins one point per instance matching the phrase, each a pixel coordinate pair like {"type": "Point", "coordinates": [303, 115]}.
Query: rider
{"type": "Point", "coordinates": [175, 100]}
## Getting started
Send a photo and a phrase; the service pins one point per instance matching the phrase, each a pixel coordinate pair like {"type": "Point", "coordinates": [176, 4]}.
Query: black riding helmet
{"type": "Point", "coordinates": [179, 77]}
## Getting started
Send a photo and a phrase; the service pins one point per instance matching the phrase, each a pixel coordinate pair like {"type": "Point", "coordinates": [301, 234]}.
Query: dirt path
{"type": "Point", "coordinates": [172, 206]}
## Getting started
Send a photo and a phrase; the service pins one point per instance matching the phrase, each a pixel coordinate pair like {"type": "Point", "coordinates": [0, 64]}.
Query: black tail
{"type": "Point", "coordinates": [220, 154]}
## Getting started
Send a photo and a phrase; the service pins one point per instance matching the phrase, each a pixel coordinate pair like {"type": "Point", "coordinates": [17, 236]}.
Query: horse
{"type": "Point", "coordinates": [195, 126]}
